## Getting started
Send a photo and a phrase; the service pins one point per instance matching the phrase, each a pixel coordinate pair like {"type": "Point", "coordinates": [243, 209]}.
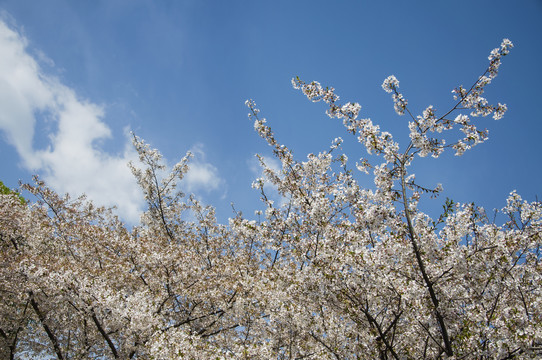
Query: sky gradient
{"type": "Point", "coordinates": [77, 76]}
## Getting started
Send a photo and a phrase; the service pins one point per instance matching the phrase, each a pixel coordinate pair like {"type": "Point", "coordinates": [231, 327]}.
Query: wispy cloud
{"type": "Point", "coordinates": [257, 170]}
{"type": "Point", "coordinates": [72, 161]}
{"type": "Point", "coordinates": [256, 167]}
{"type": "Point", "coordinates": [202, 176]}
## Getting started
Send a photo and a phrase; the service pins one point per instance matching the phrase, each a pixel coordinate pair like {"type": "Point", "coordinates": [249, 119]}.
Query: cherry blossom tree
{"type": "Point", "coordinates": [366, 274]}
{"type": "Point", "coordinates": [335, 271]}
{"type": "Point", "coordinates": [77, 284]}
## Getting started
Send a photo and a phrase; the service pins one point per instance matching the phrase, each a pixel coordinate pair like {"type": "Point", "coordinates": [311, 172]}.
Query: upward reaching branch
{"type": "Point", "coordinates": [428, 283]}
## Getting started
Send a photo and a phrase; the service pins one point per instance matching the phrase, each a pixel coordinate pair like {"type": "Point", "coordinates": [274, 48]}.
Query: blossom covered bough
{"type": "Point", "coordinates": [335, 271]}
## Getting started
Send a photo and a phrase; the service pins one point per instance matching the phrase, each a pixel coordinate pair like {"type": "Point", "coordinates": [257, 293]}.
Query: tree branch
{"type": "Point", "coordinates": [429, 284]}
{"type": "Point", "coordinates": [104, 335]}
{"type": "Point", "coordinates": [50, 334]}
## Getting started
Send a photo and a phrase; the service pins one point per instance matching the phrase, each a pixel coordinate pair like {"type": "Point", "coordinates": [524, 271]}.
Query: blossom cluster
{"type": "Point", "coordinates": [390, 85]}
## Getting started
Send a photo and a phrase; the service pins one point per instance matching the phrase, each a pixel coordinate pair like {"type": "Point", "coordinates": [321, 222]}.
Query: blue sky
{"type": "Point", "coordinates": [75, 76]}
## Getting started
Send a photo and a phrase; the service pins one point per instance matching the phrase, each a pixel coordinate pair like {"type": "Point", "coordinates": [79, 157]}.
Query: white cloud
{"type": "Point", "coordinates": [202, 176]}
{"type": "Point", "coordinates": [72, 161]}
{"type": "Point", "coordinates": [271, 162]}
{"type": "Point", "coordinates": [271, 190]}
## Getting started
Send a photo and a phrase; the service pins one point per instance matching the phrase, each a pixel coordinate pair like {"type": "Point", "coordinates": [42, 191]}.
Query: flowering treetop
{"type": "Point", "coordinates": [335, 271]}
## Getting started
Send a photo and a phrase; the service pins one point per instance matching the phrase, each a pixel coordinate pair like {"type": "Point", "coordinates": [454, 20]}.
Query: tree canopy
{"type": "Point", "coordinates": [333, 271]}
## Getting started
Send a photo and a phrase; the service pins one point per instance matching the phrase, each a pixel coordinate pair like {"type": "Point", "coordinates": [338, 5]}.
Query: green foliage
{"type": "Point", "coordinates": [4, 190]}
